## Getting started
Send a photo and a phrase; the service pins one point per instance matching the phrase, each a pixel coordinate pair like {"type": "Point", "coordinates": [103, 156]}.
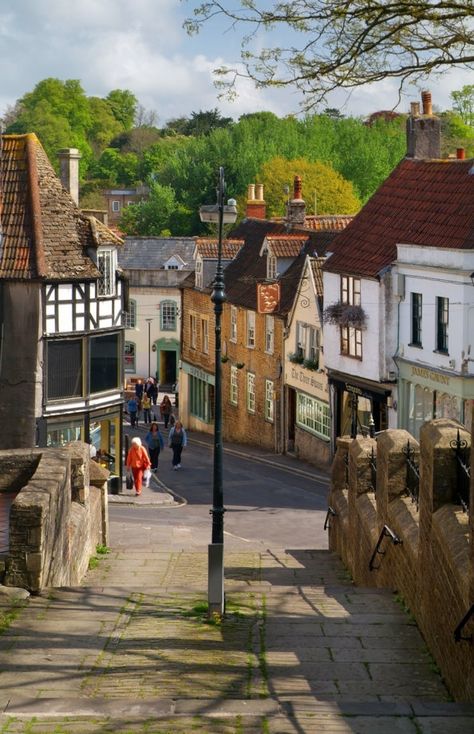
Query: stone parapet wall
{"type": "Point", "coordinates": [432, 566]}
{"type": "Point", "coordinates": [57, 518]}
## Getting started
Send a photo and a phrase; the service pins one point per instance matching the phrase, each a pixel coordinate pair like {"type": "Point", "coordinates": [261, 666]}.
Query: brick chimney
{"type": "Point", "coordinates": [423, 130]}
{"type": "Point", "coordinates": [256, 206]}
{"type": "Point", "coordinates": [69, 171]}
{"type": "Point", "coordinates": [296, 209]}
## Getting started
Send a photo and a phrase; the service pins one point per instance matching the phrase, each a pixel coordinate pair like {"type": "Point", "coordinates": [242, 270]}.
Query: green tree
{"type": "Point", "coordinates": [463, 103]}
{"type": "Point", "coordinates": [116, 168]}
{"type": "Point", "coordinates": [339, 44]}
{"type": "Point", "coordinates": [159, 215]}
{"type": "Point", "coordinates": [103, 126]}
{"type": "Point", "coordinates": [323, 188]}
{"type": "Point", "coordinates": [123, 105]}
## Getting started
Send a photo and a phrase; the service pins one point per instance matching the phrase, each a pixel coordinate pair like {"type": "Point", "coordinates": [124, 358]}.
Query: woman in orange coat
{"type": "Point", "coordinates": [137, 461]}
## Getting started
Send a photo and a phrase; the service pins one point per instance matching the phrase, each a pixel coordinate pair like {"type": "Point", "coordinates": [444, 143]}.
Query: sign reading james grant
{"type": "Point", "coordinates": [430, 375]}
{"type": "Point", "coordinates": [268, 297]}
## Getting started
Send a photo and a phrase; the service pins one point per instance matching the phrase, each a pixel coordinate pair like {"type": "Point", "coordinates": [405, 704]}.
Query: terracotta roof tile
{"type": "Point", "coordinates": [288, 245]}
{"type": "Point", "coordinates": [422, 202]}
{"type": "Point", "coordinates": [328, 222]}
{"type": "Point", "coordinates": [207, 248]}
{"type": "Point", "coordinates": [316, 265]}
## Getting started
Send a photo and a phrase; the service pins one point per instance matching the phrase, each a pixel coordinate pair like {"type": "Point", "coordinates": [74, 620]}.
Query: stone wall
{"type": "Point", "coordinates": [57, 519]}
{"type": "Point", "coordinates": [431, 567]}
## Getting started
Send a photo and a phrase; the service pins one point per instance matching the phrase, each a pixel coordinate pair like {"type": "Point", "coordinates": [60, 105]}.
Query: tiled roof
{"type": "Point", "coordinates": [249, 268]}
{"type": "Point", "coordinates": [44, 234]}
{"type": "Point", "coordinates": [207, 248]}
{"type": "Point", "coordinates": [323, 222]}
{"type": "Point", "coordinates": [316, 265]}
{"type": "Point", "coordinates": [102, 234]}
{"type": "Point", "coordinates": [151, 253]}
{"type": "Point", "coordinates": [422, 202]}
{"type": "Point", "coordinates": [288, 245]}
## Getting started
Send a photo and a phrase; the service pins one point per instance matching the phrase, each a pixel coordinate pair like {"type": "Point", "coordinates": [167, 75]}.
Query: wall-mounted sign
{"type": "Point", "coordinates": [268, 297]}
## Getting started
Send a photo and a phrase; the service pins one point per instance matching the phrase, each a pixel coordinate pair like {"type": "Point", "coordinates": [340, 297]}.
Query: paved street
{"type": "Point", "coordinates": [300, 651]}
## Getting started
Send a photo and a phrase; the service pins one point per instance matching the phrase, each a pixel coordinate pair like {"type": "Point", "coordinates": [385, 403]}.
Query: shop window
{"type": "Point", "coordinates": [106, 263]}
{"type": "Point", "coordinates": [312, 415]}
{"type": "Point", "coordinates": [250, 392]}
{"type": "Point", "coordinates": [65, 369]}
{"type": "Point", "coordinates": [416, 313]}
{"type": "Point", "coordinates": [442, 311]}
{"type": "Point", "coordinates": [61, 433]}
{"type": "Point", "coordinates": [233, 324]}
{"type": "Point", "coordinates": [130, 357]}
{"type": "Point", "coordinates": [104, 362]}
{"type": "Point", "coordinates": [168, 313]}
{"type": "Point", "coordinates": [201, 399]}
{"type": "Point", "coordinates": [269, 334]}
{"type": "Point", "coordinates": [269, 403]}
{"type": "Point", "coordinates": [130, 316]}
{"type": "Point", "coordinates": [234, 385]}
{"type": "Point", "coordinates": [251, 329]}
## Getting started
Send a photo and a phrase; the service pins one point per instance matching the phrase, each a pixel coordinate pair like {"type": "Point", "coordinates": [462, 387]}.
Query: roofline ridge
{"type": "Point", "coordinates": [34, 192]}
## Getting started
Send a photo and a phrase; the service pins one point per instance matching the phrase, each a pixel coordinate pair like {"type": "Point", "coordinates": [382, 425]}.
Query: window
{"type": "Point", "coordinates": [269, 333]}
{"type": "Point", "coordinates": [116, 206]}
{"type": "Point", "coordinates": [301, 340]}
{"type": "Point", "coordinates": [168, 315]}
{"type": "Point", "coordinates": [130, 317]}
{"type": "Point", "coordinates": [107, 266]}
{"type": "Point", "coordinates": [314, 344]}
{"type": "Point", "coordinates": [251, 329]}
{"type": "Point", "coordinates": [351, 338]}
{"type": "Point", "coordinates": [269, 400]}
{"type": "Point", "coordinates": [250, 392]}
{"type": "Point", "coordinates": [198, 273]}
{"type": "Point", "coordinates": [193, 330]}
{"type": "Point", "coordinates": [312, 415]}
{"type": "Point", "coordinates": [416, 311]}
{"type": "Point", "coordinates": [233, 324]}
{"type": "Point", "coordinates": [201, 399]}
{"type": "Point", "coordinates": [271, 267]}
{"type": "Point", "coordinates": [65, 369]}
{"type": "Point", "coordinates": [442, 310]}
{"type": "Point", "coordinates": [234, 385]}
{"type": "Point", "coordinates": [129, 357]}
{"type": "Point", "coordinates": [205, 336]}
{"type": "Point", "coordinates": [104, 362]}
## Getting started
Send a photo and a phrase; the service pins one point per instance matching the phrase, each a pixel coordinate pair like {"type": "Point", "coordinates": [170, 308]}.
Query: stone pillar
{"type": "Point", "coordinates": [392, 468]}
{"type": "Point", "coordinates": [363, 530]}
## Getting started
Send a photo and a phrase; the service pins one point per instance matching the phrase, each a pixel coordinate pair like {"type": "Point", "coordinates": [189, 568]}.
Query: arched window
{"type": "Point", "coordinates": [129, 357]}
{"type": "Point", "coordinates": [168, 312]}
{"type": "Point", "coordinates": [130, 320]}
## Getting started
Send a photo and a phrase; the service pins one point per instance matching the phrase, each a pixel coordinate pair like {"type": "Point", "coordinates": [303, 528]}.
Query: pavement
{"type": "Point", "coordinates": [300, 650]}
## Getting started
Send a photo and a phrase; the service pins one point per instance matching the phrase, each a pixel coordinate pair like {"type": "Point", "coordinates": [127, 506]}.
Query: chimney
{"type": "Point", "coordinates": [423, 131]}
{"type": "Point", "coordinates": [69, 171]}
{"type": "Point", "coordinates": [460, 154]}
{"type": "Point", "coordinates": [296, 211]}
{"type": "Point", "coordinates": [256, 207]}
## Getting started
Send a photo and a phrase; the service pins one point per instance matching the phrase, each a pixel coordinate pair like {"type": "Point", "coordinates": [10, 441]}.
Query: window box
{"type": "Point", "coordinates": [311, 364]}
{"type": "Point", "coordinates": [345, 315]}
{"type": "Point", "coordinates": [296, 358]}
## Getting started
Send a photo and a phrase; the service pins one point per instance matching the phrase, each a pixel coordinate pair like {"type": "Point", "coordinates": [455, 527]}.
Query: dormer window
{"type": "Point", "coordinates": [107, 265]}
{"type": "Point", "coordinates": [198, 273]}
{"type": "Point", "coordinates": [173, 263]}
{"type": "Point", "coordinates": [272, 271]}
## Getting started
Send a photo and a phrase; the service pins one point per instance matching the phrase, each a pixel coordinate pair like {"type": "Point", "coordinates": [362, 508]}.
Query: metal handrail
{"type": "Point", "coordinates": [329, 513]}
{"type": "Point", "coordinates": [373, 469]}
{"type": "Point", "coordinates": [457, 632]}
{"type": "Point", "coordinates": [412, 482]}
{"type": "Point", "coordinates": [386, 532]}
{"type": "Point", "coordinates": [459, 445]}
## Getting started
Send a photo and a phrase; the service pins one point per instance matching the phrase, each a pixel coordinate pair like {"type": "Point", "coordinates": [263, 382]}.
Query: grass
{"type": "Point", "coordinates": [9, 616]}
{"type": "Point", "coordinates": [101, 550]}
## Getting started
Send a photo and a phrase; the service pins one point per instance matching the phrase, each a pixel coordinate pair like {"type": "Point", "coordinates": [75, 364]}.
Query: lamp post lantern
{"type": "Point", "coordinates": [221, 214]}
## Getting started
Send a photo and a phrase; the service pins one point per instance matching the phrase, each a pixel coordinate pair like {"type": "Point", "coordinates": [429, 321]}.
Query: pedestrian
{"type": "Point", "coordinates": [132, 407]}
{"type": "Point", "coordinates": [146, 404]}
{"type": "Point", "coordinates": [154, 441]}
{"type": "Point", "coordinates": [153, 390]}
{"type": "Point", "coordinates": [166, 410]}
{"type": "Point", "coordinates": [176, 394]}
{"type": "Point", "coordinates": [139, 389]}
{"type": "Point", "coordinates": [177, 441]}
{"type": "Point", "coordinates": [137, 462]}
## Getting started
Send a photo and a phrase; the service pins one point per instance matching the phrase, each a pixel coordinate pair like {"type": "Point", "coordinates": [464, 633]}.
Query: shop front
{"type": "Point", "coordinates": [426, 393]}
{"type": "Point", "coordinates": [196, 392]}
{"type": "Point", "coordinates": [308, 420]}
{"type": "Point", "coordinates": [357, 402]}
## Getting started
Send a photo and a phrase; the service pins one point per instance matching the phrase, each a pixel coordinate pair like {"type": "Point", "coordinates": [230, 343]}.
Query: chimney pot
{"type": "Point", "coordinates": [251, 192]}
{"type": "Point", "coordinates": [415, 109]}
{"type": "Point", "coordinates": [426, 101]}
{"type": "Point", "coordinates": [460, 154]}
{"type": "Point", "coordinates": [256, 207]}
{"type": "Point", "coordinates": [297, 188]}
{"type": "Point", "coordinates": [69, 171]}
{"type": "Point", "coordinates": [259, 192]}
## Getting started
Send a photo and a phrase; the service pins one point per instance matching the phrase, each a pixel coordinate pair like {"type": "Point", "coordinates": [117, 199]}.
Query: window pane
{"type": "Point", "coordinates": [104, 362]}
{"type": "Point", "coordinates": [65, 369]}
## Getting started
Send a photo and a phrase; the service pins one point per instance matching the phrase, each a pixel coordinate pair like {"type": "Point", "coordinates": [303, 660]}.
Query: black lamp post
{"type": "Point", "coordinates": [149, 345]}
{"type": "Point", "coordinates": [221, 214]}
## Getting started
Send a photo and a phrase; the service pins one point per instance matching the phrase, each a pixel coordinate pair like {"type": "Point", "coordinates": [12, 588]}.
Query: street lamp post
{"type": "Point", "coordinates": [149, 346]}
{"type": "Point", "coordinates": [221, 214]}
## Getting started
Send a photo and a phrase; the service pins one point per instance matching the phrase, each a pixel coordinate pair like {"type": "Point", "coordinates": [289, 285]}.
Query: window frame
{"type": "Point", "coordinates": [313, 415]}
{"type": "Point", "coordinates": [193, 331]}
{"type": "Point", "coordinates": [251, 401]}
{"type": "Point", "coordinates": [251, 329]}
{"type": "Point", "coordinates": [107, 266]}
{"type": "Point", "coordinates": [416, 319]}
{"type": "Point", "coordinates": [130, 316]}
{"type": "Point", "coordinates": [269, 401]}
{"type": "Point", "coordinates": [233, 324]}
{"type": "Point", "coordinates": [173, 311]}
{"type": "Point", "coordinates": [272, 267]}
{"type": "Point", "coordinates": [115, 205]}
{"type": "Point", "coordinates": [134, 366]}
{"type": "Point", "coordinates": [205, 336]}
{"type": "Point", "coordinates": [442, 324]}
{"type": "Point", "coordinates": [198, 273]}
{"type": "Point", "coordinates": [351, 337]}
{"type": "Point", "coordinates": [234, 385]}
{"type": "Point", "coordinates": [269, 333]}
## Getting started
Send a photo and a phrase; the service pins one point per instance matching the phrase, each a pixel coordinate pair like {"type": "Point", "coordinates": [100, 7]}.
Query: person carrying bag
{"type": "Point", "coordinates": [137, 462]}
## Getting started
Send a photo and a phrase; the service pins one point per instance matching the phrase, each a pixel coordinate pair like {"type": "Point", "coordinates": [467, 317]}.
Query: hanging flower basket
{"type": "Point", "coordinates": [345, 314]}
{"type": "Point", "coordinates": [311, 364]}
{"type": "Point", "coordinates": [296, 358]}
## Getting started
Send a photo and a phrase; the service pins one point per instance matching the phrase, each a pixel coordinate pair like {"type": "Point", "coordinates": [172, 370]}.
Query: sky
{"type": "Point", "coordinates": [142, 46]}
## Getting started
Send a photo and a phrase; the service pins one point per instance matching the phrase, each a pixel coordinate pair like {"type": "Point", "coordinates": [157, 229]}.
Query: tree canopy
{"type": "Point", "coordinates": [339, 44]}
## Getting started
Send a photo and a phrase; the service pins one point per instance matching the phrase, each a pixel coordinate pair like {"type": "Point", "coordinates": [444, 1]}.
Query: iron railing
{"type": "Point", "coordinates": [463, 470]}
{"type": "Point", "coordinates": [386, 533]}
{"type": "Point", "coordinates": [346, 466]}
{"type": "Point", "coordinates": [412, 482]}
{"type": "Point", "coordinates": [330, 513]}
{"type": "Point", "coordinates": [457, 632]}
{"type": "Point", "coordinates": [373, 469]}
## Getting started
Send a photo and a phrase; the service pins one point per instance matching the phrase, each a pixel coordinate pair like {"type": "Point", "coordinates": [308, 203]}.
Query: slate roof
{"type": "Point", "coordinates": [422, 202]}
{"type": "Point", "coordinates": [207, 248]}
{"type": "Point", "coordinates": [249, 268]}
{"type": "Point", "coordinates": [44, 234]}
{"type": "Point", "coordinates": [288, 245]}
{"type": "Point", "coordinates": [151, 253]}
